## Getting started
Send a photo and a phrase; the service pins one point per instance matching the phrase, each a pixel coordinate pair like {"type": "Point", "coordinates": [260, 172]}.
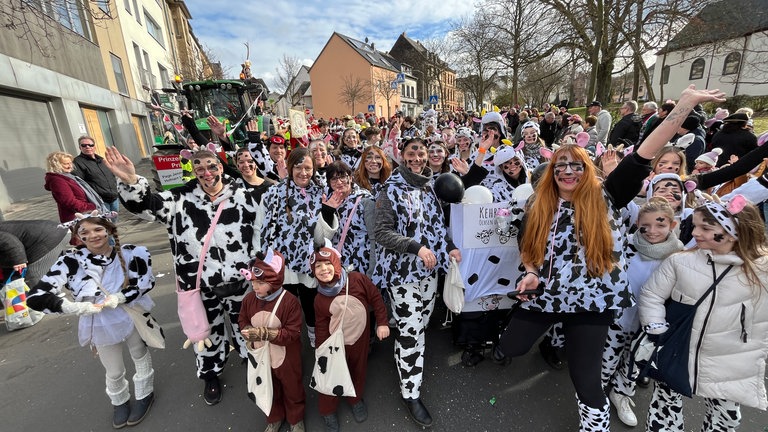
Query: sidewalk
{"type": "Point", "coordinates": [44, 207]}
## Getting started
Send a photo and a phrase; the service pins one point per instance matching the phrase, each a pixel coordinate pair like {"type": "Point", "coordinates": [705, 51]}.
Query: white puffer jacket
{"type": "Point", "coordinates": [729, 340]}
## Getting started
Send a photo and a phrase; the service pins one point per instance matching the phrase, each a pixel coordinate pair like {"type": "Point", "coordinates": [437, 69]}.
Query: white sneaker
{"type": "Point", "coordinates": [623, 406]}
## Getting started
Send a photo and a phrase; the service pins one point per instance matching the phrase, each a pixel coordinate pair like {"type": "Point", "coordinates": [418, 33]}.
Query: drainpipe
{"type": "Point", "coordinates": [741, 63]}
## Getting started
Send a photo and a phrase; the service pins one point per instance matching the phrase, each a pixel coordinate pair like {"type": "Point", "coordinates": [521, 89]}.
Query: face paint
{"type": "Point", "coordinates": [678, 197]}
{"type": "Point", "coordinates": [643, 230]}
{"type": "Point", "coordinates": [661, 219]}
{"type": "Point", "coordinates": [718, 237]}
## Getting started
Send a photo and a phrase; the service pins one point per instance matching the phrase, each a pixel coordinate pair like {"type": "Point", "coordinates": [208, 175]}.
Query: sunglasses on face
{"type": "Point", "coordinates": [322, 253]}
{"type": "Point", "coordinates": [574, 166]}
{"type": "Point", "coordinates": [277, 140]}
{"type": "Point", "coordinates": [87, 145]}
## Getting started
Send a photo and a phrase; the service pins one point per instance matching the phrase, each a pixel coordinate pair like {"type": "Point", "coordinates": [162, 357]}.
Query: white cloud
{"type": "Point", "coordinates": [300, 28]}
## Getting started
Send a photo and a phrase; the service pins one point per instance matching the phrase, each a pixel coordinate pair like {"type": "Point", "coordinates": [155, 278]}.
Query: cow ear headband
{"type": "Point", "coordinates": [81, 216]}
{"type": "Point", "coordinates": [275, 262]}
{"type": "Point", "coordinates": [725, 212]}
{"type": "Point", "coordinates": [187, 154]}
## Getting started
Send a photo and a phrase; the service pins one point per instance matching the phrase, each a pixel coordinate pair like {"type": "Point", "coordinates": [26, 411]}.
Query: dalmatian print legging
{"type": "Point", "coordinates": [666, 412]}
{"type": "Point", "coordinates": [412, 305]}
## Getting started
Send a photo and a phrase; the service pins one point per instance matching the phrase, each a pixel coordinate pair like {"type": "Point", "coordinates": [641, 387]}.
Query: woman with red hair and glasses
{"type": "Point", "coordinates": [574, 257]}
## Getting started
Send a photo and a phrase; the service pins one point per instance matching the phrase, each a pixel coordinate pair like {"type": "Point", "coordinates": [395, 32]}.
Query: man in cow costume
{"type": "Point", "coordinates": [188, 212]}
{"type": "Point", "coordinates": [410, 225]}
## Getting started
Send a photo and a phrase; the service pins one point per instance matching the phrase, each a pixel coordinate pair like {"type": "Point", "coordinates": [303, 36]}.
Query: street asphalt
{"type": "Point", "coordinates": [50, 383]}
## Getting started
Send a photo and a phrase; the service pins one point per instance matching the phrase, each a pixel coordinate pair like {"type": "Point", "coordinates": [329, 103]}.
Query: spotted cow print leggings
{"type": "Point", "coordinates": [665, 412]}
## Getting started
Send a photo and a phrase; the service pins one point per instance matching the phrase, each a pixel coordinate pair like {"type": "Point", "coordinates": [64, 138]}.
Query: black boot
{"type": "Point", "coordinates": [550, 355]}
{"type": "Point", "coordinates": [120, 415]}
{"type": "Point", "coordinates": [471, 356]}
{"type": "Point", "coordinates": [418, 412]}
{"type": "Point", "coordinates": [140, 409]}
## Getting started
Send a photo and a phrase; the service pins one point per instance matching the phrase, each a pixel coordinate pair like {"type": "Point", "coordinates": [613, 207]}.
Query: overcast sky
{"type": "Point", "coordinates": [301, 28]}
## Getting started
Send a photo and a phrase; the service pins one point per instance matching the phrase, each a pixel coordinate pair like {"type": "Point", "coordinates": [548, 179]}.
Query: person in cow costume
{"type": "Point", "coordinates": [188, 213]}
{"type": "Point", "coordinates": [333, 281]}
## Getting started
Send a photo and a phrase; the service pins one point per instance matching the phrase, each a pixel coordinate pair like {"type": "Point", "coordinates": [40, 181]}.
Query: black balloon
{"type": "Point", "coordinates": [449, 188]}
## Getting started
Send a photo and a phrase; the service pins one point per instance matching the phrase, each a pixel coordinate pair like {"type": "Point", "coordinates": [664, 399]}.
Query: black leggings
{"type": "Point", "coordinates": [585, 335]}
{"type": "Point", "coordinates": [306, 298]}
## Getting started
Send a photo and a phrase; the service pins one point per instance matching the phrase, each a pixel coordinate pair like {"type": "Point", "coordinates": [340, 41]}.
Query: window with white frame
{"type": "Point", "coordinates": [117, 67]}
{"type": "Point", "coordinates": [154, 29]}
{"type": "Point", "coordinates": [72, 14]}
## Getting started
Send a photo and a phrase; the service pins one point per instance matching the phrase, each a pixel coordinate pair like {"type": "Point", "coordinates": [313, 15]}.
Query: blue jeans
{"type": "Point", "coordinates": [113, 206]}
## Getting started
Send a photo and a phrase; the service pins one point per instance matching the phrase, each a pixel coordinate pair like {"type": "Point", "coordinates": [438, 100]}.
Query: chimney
{"type": "Point", "coordinates": [373, 48]}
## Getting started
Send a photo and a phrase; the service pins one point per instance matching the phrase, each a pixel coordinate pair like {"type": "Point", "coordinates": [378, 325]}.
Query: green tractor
{"type": "Point", "coordinates": [228, 100]}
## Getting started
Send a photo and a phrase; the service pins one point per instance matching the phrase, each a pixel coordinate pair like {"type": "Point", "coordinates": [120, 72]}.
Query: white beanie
{"type": "Point", "coordinates": [494, 117]}
{"type": "Point", "coordinates": [710, 158]}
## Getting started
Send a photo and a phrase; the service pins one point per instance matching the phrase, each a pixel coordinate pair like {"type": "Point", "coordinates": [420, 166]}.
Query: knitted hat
{"type": "Point", "coordinates": [531, 124]}
{"type": "Point", "coordinates": [269, 268]}
{"type": "Point", "coordinates": [494, 117]}
{"type": "Point", "coordinates": [328, 254]}
{"type": "Point", "coordinates": [690, 123]}
{"type": "Point", "coordinates": [710, 158]}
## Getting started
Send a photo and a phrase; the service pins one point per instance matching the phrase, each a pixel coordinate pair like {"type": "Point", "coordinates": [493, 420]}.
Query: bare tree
{"type": "Point", "coordinates": [478, 49]}
{"type": "Point", "coordinates": [383, 80]}
{"type": "Point", "coordinates": [214, 70]}
{"type": "Point", "coordinates": [541, 81]}
{"type": "Point", "coordinates": [285, 78]}
{"type": "Point", "coordinates": [441, 54]}
{"type": "Point", "coordinates": [353, 90]}
{"type": "Point", "coordinates": [523, 29]}
{"type": "Point", "coordinates": [39, 23]}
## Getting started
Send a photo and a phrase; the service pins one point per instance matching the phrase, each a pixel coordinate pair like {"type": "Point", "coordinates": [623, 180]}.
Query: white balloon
{"type": "Point", "coordinates": [477, 195]}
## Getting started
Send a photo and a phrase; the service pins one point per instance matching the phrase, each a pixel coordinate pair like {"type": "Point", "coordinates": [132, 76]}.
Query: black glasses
{"type": "Point", "coordinates": [339, 178]}
{"type": "Point", "coordinates": [574, 166]}
{"type": "Point", "coordinates": [87, 145]}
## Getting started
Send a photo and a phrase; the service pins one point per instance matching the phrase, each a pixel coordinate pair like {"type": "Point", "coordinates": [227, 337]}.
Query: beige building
{"type": "Point", "coordinates": [351, 76]}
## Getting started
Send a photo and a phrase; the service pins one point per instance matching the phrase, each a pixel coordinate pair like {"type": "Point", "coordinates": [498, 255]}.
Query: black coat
{"type": "Point", "coordinates": [626, 131]}
{"type": "Point", "coordinates": [97, 175]}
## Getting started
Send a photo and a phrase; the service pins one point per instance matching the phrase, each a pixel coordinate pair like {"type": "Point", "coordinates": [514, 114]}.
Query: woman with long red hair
{"type": "Point", "coordinates": [572, 245]}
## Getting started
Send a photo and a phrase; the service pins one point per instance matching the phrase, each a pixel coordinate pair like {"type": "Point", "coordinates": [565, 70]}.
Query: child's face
{"type": "Point", "coordinates": [324, 271]}
{"type": "Point", "coordinates": [711, 236]}
{"type": "Point", "coordinates": [670, 191]}
{"type": "Point", "coordinates": [654, 226]}
{"type": "Point", "coordinates": [261, 288]}
{"type": "Point", "coordinates": [669, 163]}
{"type": "Point", "coordinates": [702, 166]}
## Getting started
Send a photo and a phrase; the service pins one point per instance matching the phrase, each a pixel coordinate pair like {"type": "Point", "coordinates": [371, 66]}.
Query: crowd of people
{"type": "Point", "coordinates": [344, 231]}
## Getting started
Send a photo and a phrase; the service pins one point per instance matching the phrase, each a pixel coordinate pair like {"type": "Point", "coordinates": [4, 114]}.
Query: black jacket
{"type": "Point", "coordinates": [97, 175]}
{"type": "Point", "coordinates": [626, 131]}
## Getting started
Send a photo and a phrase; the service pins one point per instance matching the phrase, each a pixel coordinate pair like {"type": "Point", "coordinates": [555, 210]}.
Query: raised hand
{"type": "Point", "coordinates": [282, 169]}
{"type": "Point", "coordinates": [120, 165]}
{"type": "Point", "coordinates": [217, 127]}
{"type": "Point", "coordinates": [460, 166]}
{"type": "Point", "coordinates": [334, 200]}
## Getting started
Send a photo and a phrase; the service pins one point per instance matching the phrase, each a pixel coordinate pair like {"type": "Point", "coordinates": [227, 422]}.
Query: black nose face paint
{"type": "Point", "coordinates": [719, 237]}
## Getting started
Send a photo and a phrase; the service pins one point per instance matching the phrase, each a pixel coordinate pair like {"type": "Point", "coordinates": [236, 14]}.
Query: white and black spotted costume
{"type": "Point", "coordinates": [356, 250]}
{"type": "Point", "coordinates": [585, 304]}
{"type": "Point", "coordinates": [350, 156]}
{"type": "Point", "coordinates": [187, 212]}
{"type": "Point", "coordinates": [290, 222]}
{"type": "Point", "coordinates": [90, 278]}
{"type": "Point", "coordinates": [409, 216]}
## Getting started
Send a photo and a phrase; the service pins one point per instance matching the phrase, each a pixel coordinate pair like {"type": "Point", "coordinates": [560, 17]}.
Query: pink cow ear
{"type": "Point", "coordinates": [582, 139]}
{"type": "Point", "coordinates": [546, 153]}
{"type": "Point", "coordinates": [690, 186]}
{"type": "Point", "coordinates": [211, 147]}
{"type": "Point", "coordinates": [521, 145]}
{"type": "Point", "coordinates": [737, 204]}
{"type": "Point", "coordinates": [186, 154]}
{"type": "Point", "coordinates": [599, 149]}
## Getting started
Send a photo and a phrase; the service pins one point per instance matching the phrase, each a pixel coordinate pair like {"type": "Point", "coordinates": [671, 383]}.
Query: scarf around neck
{"type": "Point", "coordinates": [656, 251]}
{"type": "Point", "coordinates": [331, 291]}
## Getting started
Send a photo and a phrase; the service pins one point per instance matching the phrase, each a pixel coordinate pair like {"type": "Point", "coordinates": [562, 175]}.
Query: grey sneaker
{"type": "Point", "coordinates": [274, 427]}
{"type": "Point", "coordinates": [360, 411]}
{"type": "Point", "coordinates": [331, 423]}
